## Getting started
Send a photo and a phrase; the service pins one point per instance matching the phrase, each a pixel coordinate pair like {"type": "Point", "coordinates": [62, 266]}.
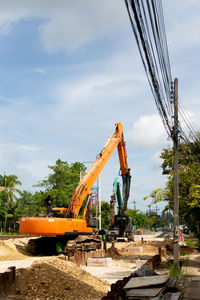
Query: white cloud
{"type": "Point", "coordinates": [156, 160]}
{"type": "Point", "coordinates": [37, 170]}
{"type": "Point", "coordinates": [81, 23]}
{"type": "Point", "coordinates": [11, 151]}
{"type": "Point", "coordinates": [148, 132]}
{"type": "Point", "coordinates": [68, 24]}
{"type": "Point", "coordinates": [40, 70]}
{"type": "Point", "coordinates": [97, 86]}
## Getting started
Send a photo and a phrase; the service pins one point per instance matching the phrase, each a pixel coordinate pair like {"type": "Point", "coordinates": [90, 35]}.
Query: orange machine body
{"type": "Point", "coordinates": [71, 223]}
{"type": "Point", "coordinates": [53, 226]}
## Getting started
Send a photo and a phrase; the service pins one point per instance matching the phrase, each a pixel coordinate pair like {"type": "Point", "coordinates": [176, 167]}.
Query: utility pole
{"type": "Point", "coordinates": [134, 202]}
{"type": "Point", "coordinates": [175, 178]}
{"type": "Point", "coordinates": [99, 186]}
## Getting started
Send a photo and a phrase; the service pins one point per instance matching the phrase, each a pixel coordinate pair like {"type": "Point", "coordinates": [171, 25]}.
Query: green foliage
{"type": "Point", "coordinates": [61, 182]}
{"type": "Point", "coordinates": [28, 204]}
{"type": "Point", "coordinates": [8, 198]}
{"type": "Point", "coordinates": [8, 188]}
{"type": "Point", "coordinates": [155, 220]}
{"type": "Point", "coordinates": [190, 243]}
{"type": "Point", "coordinates": [189, 183]}
{"type": "Point", "coordinates": [174, 270]}
{"type": "Point", "coordinates": [60, 185]}
{"type": "Point", "coordinates": [150, 221]}
{"type": "Point", "coordinates": [138, 218]}
{"type": "Point", "coordinates": [105, 215]}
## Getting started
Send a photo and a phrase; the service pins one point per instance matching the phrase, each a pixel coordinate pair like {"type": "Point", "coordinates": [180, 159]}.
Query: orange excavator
{"type": "Point", "coordinates": [65, 223]}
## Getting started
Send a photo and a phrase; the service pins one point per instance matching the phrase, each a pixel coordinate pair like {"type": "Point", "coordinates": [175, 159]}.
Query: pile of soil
{"type": "Point", "coordinates": [159, 243]}
{"type": "Point", "coordinates": [58, 279]}
{"type": "Point", "coordinates": [112, 252]}
{"type": "Point", "coordinates": [13, 249]}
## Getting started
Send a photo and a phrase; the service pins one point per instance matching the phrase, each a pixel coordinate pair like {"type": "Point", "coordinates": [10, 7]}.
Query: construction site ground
{"type": "Point", "coordinates": [87, 282]}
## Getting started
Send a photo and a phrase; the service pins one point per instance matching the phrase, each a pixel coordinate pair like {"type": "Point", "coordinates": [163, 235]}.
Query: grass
{"type": "Point", "coordinates": [190, 243]}
{"type": "Point", "coordinates": [197, 244]}
{"type": "Point", "coordinates": [9, 233]}
{"type": "Point", "coordinates": [174, 270]}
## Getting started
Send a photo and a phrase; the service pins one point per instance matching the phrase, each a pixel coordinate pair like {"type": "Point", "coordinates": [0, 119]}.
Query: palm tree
{"type": "Point", "coordinates": [8, 185]}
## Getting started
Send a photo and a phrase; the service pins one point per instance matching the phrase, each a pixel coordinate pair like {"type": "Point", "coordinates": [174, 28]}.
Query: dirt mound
{"type": "Point", "coordinates": [58, 279]}
{"type": "Point", "coordinates": [112, 252]}
{"type": "Point", "coordinates": [13, 249]}
{"type": "Point", "coordinates": [159, 243]}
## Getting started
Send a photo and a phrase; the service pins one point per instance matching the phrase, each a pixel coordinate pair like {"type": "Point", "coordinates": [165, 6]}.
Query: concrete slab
{"type": "Point", "coordinates": [145, 281]}
{"type": "Point", "coordinates": [118, 271]}
{"type": "Point", "coordinates": [192, 281]}
{"type": "Point", "coordinates": [140, 263]}
{"type": "Point", "coordinates": [143, 293]}
{"type": "Point", "coordinates": [99, 262]}
{"type": "Point", "coordinates": [193, 268]}
{"type": "Point", "coordinates": [195, 278]}
{"type": "Point", "coordinates": [192, 294]}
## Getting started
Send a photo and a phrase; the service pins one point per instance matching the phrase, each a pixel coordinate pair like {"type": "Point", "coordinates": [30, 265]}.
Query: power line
{"type": "Point", "coordinates": [147, 21]}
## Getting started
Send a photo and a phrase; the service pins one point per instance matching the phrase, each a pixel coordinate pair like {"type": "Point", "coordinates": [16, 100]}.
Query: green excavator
{"type": "Point", "coordinates": [121, 223]}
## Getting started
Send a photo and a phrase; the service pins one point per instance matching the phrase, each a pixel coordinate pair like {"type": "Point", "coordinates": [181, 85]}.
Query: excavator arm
{"type": "Point", "coordinates": [125, 173]}
{"type": "Point", "coordinates": [83, 189]}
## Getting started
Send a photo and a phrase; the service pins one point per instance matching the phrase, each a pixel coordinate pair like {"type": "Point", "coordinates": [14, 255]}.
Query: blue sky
{"type": "Point", "coordinates": [69, 70]}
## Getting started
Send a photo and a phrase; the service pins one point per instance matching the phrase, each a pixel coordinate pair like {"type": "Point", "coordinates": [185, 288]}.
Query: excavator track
{"type": "Point", "coordinates": [48, 245]}
{"type": "Point", "coordinates": [82, 243]}
{"type": "Point", "coordinates": [42, 246]}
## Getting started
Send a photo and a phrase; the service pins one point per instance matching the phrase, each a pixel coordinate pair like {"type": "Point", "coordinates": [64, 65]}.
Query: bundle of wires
{"type": "Point", "coordinates": [147, 21]}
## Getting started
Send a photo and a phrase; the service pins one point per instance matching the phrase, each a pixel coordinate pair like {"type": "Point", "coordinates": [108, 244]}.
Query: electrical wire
{"type": "Point", "coordinates": [147, 21]}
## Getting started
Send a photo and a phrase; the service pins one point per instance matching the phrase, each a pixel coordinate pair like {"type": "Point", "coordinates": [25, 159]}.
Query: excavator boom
{"type": "Point", "coordinates": [83, 189]}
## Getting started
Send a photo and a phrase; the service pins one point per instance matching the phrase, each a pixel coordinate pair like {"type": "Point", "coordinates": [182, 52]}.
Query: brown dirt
{"type": "Point", "coordinates": [13, 249]}
{"type": "Point", "coordinates": [58, 279]}
{"type": "Point", "coordinates": [113, 253]}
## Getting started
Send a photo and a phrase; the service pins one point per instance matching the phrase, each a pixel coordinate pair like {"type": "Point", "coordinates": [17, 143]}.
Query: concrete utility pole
{"type": "Point", "coordinates": [134, 202]}
{"type": "Point", "coordinates": [175, 178]}
{"type": "Point", "coordinates": [99, 186]}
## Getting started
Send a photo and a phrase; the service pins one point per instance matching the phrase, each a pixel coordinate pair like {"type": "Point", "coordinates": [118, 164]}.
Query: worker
{"type": "Point", "coordinates": [49, 201]}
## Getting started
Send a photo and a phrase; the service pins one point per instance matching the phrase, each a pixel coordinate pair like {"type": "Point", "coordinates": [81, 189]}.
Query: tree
{"type": "Point", "coordinates": [8, 195]}
{"type": "Point", "coordinates": [139, 219]}
{"type": "Point", "coordinates": [105, 215]}
{"type": "Point", "coordinates": [61, 183]}
{"type": "Point", "coordinates": [28, 204]}
{"type": "Point", "coordinates": [189, 182]}
{"type": "Point", "coordinates": [8, 185]}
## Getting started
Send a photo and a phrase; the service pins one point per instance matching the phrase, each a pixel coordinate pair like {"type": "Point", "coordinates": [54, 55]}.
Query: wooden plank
{"type": "Point", "coordinates": [137, 282]}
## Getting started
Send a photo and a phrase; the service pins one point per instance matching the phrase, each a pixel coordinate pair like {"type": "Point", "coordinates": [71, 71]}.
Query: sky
{"type": "Point", "coordinates": [69, 70]}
